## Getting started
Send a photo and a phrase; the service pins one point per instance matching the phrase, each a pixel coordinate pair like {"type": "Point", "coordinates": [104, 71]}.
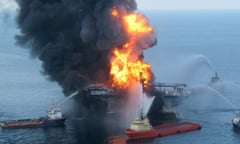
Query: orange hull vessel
{"type": "Point", "coordinates": [163, 130]}
{"type": "Point", "coordinates": [132, 134]}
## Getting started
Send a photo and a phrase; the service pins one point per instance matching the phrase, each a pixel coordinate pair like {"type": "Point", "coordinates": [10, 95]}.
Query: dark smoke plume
{"type": "Point", "coordinates": [73, 38]}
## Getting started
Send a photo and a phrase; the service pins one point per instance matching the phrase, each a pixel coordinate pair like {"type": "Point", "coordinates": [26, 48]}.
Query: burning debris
{"type": "Point", "coordinates": [80, 42]}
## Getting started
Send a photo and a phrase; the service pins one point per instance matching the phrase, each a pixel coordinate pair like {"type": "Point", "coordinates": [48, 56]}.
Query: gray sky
{"type": "Point", "coordinates": [6, 5]}
{"type": "Point", "coordinates": [188, 4]}
{"type": "Point", "coordinates": [161, 4]}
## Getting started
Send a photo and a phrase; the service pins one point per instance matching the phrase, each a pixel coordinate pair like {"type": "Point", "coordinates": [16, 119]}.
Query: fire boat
{"type": "Point", "coordinates": [141, 127]}
{"type": "Point", "coordinates": [54, 118]}
{"type": "Point", "coordinates": [215, 78]}
{"type": "Point", "coordinates": [216, 83]}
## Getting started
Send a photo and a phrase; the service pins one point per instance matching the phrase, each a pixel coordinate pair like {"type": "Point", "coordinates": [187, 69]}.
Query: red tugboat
{"type": "Point", "coordinates": [54, 118]}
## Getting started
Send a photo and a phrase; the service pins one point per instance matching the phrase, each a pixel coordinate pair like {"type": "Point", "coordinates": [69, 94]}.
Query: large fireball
{"type": "Point", "coordinates": [127, 63]}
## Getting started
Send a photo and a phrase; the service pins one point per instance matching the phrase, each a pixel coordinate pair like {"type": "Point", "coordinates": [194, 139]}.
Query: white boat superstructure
{"type": "Point", "coordinates": [236, 120]}
{"type": "Point", "coordinates": [141, 123]}
{"type": "Point", "coordinates": [54, 113]}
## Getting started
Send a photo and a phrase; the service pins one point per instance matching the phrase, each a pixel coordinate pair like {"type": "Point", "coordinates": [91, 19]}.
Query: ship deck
{"type": "Point", "coordinates": [174, 128]}
{"type": "Point", "coordinates": [163, 130]}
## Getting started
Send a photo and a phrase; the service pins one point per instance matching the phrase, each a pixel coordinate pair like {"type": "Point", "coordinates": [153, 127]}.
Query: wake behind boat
{"type": "Point", "coordinates": [54, 118]}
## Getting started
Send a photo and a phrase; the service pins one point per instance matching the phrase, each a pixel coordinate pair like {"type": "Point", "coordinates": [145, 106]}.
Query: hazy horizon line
{"type": "Point", "coordinates": [200, 9]}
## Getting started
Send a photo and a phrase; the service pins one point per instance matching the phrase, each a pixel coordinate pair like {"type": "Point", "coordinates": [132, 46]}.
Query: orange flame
{"type": "Point", "coordinates": [125, 68]}
{"type": "Point", "coordinates": [136, 24]}
{"type": "Point", "coordinates": [114, 12]}
{"type": "Point", "coordinates": [126, 63]}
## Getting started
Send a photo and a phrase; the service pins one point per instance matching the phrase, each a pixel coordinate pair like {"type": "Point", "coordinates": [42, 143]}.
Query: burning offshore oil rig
{"type": "Point", "coordinates": [94, 47]}
{"type": "Point", "coordinates": [101, 100]}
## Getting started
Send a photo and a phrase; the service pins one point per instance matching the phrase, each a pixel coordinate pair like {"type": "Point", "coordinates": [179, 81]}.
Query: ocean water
{"type": "Point", "coordinates": [192, 46]}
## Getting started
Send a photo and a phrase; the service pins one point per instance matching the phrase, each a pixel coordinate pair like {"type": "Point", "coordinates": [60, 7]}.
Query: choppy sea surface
{"type": "Point", "coordinates": [192, 46]}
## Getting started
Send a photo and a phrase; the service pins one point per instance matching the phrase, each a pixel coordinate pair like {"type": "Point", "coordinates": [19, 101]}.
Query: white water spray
{"type": "Point", "coordinates": [222, 96]}
{"type": "Point", "coordinates": [67, 98]}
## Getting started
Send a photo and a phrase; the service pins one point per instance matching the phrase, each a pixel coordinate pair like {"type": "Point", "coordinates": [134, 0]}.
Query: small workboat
{"type": "Point", "coordinates": [236, 120]}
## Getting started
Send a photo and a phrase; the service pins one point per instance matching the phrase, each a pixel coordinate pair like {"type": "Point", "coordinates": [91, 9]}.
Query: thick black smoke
{"type": "Point", "coordinates": [73, 38]}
